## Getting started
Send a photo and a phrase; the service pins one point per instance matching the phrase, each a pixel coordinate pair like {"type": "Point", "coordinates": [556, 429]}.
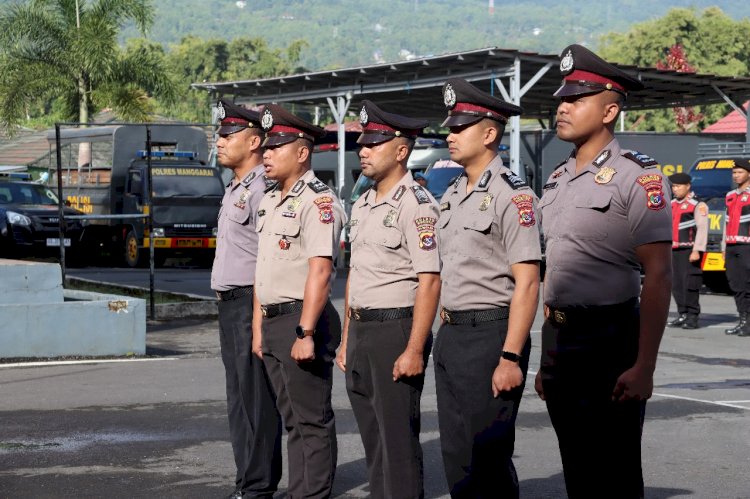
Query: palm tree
{"type": "Point", "coordinates": [67, 50]}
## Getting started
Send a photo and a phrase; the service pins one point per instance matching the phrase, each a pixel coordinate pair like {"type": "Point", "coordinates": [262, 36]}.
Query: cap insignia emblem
{"type": "Point", "coordinates": [267, 120]}
{"type": "Point", "coordinates": [566, 63]}
{"type": "Point", "coordinates": [449, 96]}
{"type": "Point", "coordinates": [222, 112]}
{"type": "Point", "coordinates": [363, 117]}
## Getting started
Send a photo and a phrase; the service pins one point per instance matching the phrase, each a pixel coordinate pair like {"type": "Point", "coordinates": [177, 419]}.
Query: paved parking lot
{"type": "Point", "coordinates": [156, 427]}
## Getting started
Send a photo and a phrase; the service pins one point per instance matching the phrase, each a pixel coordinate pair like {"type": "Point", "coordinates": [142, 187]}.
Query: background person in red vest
{"type": "Point", "coordinates": [736, 243]}
{"type": "Point", "coordinates": [689, 237]}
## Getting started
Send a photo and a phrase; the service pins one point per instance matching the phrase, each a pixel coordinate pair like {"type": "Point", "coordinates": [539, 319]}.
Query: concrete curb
{"type": "Point", "coordinates": [197, 307]}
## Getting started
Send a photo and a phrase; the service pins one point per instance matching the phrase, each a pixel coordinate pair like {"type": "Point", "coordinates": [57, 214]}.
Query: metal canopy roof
{"type": "Point", "coordinates": [415, 84]}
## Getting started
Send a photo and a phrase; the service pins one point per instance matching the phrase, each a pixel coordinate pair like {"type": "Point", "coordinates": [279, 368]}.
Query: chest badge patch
{"type": "Point", "coordinates": [654, 193]}
{"type": "Point", "coordinates": [240, 203]}
{"type": "Point", "coordinates": [389, 218]}
{"type": "Point", "coordinates": [284, 243]}
{"type": "Point", "coordinates": [604, 176]}
{"type": "Point", "coordinates": [743, 198]}
{"type": "Point", "coordinates": [426, 230]}
{"type": "Point", "coordinates": [325, 209]}
{"type": "Point", "coordinates": [485, 202]}
{"type": "Point", "coordinates": [524, 204]}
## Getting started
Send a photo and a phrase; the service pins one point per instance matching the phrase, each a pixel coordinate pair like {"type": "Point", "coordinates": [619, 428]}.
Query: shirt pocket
{"type": "Point", "coordinates": [290, 242]}
{"type": "Point", "coordinates": [237, 227]}
{"type": "Point", "coordinates": [386, 242]}
{"type": "Point", "coordinates": [590, 220]}
{"type": "Point", "coordinates": [477, 237]}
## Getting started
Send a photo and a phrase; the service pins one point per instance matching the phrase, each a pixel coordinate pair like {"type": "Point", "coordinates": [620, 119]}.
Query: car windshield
{"type": "Point", "coordinates": [711, 179]}
{"type": "Point", "coordinates": [171, 182]}
{"type": "Point", "coordinates": [438, 179]}
{"type": "Point", "coordinates": [23, 193]}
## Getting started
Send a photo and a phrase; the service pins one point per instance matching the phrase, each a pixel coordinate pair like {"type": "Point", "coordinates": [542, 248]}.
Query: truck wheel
{"type": "Point", "coordinates": [131, 254]}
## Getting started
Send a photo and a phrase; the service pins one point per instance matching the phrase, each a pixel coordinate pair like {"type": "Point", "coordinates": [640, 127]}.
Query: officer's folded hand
{"type": "Point", "coordinates": [410, 363]}
{"type": "Point", "coordinates": [341, 357]}
{"type": "Point", "coordinates": [303, 350]}
{"type": "Point", "coordinates": [507, 376]}
{"type": "Point", "coordinates": [634, 384]}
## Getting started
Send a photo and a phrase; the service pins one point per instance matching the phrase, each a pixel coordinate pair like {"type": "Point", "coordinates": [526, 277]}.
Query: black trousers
{"type": "Point", "coordinates": [687, 278]}
{"type": "Point", "coordinates": [254, 422]}
{"type": "Point", "coordinates": [387, 412]}
{"type": "Point", "coordinates": [599, 440]}
{"type": "Point", "coordinates": [738, 274]}
{"type": "Point", "coordinates": [303, 395]}
{"type": "Point", "coordinates": [477, 431]}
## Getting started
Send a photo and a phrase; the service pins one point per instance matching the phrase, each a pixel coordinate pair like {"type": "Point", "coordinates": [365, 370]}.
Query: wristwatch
{"type": "Point", "coordinates": [513, 357]}
{"type": "Point", "coordinates": [302, 332]}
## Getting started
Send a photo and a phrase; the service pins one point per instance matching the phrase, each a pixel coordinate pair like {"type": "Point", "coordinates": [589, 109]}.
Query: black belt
{"type": "Point", "coordinates": [380, 314]}
{"type": "Point", "coordinates": [234, 293]}
{"type": "Point", "coordinates": [608, 313]}
{"type": "Point", "coordinates": [474, 316]}
{"type": "Point", "coordinates": [275, 309]}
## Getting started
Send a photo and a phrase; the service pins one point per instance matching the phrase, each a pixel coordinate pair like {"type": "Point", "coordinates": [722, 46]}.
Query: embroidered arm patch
{"type": "Point", "coordinates": [525, 205]}
{"type": "Point", "coordinates": [654, 193]}
{"type": "Point", "coordinates": [426, 230]}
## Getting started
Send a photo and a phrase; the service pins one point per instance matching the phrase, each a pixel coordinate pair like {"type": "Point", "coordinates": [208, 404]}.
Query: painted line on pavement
{"type": "Point", "coordinates": [80, 362]}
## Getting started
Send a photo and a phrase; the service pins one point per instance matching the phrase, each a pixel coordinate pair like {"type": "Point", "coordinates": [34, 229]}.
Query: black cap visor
{"type": "Point", "coordinates": [460, 119]}
{"type": "Point", "coordinates": [230, 129]}
{"type": "Point", "coordinates": [373, 137]}
{"type": "Point", "coordinates": [274, 139]}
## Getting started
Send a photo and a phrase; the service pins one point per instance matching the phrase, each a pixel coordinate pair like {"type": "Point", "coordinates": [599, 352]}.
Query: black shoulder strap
{"type": "Point", "coordinates": [642, 160]}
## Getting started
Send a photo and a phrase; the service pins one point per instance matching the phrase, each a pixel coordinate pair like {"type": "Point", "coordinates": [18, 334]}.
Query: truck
{"type": "Point", "coordinates": [105, 172]}
{"type": "Point", "coordinates": [711, 180]}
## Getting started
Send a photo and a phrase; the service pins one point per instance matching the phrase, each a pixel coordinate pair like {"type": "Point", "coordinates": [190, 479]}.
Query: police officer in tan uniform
{"type": "Point", "coordinates": [392, 297]}
{"type": "Point", "coordinates": [299, 225]}
{"type": "Point", "coordinates": [689, 238]}
{"type": "Point", "coordinates": [254, 422]}
{"type": "Point", "coordinates": [490, 251]}
{"type": "Point", "coordinates": [605, 215]}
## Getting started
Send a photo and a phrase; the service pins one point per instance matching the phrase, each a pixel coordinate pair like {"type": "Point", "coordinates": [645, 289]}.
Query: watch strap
{"type": "Point", "coordinates": [513, 357]}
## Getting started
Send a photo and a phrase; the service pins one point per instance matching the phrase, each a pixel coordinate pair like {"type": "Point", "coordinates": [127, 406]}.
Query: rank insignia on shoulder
{"type": "Point", "coordinates": [399, 193]}
{"type": "Point", "coordinates": [249, 178]}
{"type": "Point", "coordinates": [486, 176]}
{"type": "Point", "coordinates": [513, 180]}
{"type": "Point", "coordinates": [558, 173]}
{"type": "Point", "coordinates": [420, 194]}
{"type": "Point", "coordinates": [261, 213]}
{"type": "Point", "coordinates": [317, 186]}
{"type": "Point", "coordinates": [445, 206]}
{"type": "Point", "coordinates": [643, 160]}
{"type": "Point", "coordinates": [270, 184]}
{"type": "Point", "coordinates": [604, 175]}
{"type": "Point", "coordinates": [602, 158]}
{"type": "Point", "coordinates": [456, 180]}
{"type": "Point", "coordinates": [298, 186]}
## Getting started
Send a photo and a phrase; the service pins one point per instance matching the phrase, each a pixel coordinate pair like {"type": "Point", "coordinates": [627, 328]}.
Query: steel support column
{"type": "Point", "coordinates": [338, 110]}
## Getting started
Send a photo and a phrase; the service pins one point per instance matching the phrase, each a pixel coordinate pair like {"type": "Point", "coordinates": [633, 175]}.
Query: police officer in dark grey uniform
{"type": "Point", "coordinates": [299, 225]}
{"type": "Point", "coordinates": [490, 250]}
{"type": "Point", "coordinates": [392, 296]}
{"type": "Point", "coordinates": [254, 422]}
{"type": "Point", "coordinates": [605, 214]}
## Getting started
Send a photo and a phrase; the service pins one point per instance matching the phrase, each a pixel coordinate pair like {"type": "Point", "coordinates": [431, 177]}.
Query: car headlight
{"type": "Point", "coordinates": [18, 219]}
{"type": "Point", "coordinates": [158, 232]}
{"type": "Point", "coordinates": [214, 231]}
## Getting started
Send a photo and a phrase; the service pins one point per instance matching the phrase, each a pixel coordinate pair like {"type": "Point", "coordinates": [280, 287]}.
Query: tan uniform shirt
{"type": "Point", "coordinates": [482, 234]}
{"type": "Point", "coordinates": [236, 240]}
{"type": "Point", "coordinates": [593, 221]}
{"type": "Point", "coordinates": [393, 239]}
{"type": "Point", "coordinates": [303, 224]}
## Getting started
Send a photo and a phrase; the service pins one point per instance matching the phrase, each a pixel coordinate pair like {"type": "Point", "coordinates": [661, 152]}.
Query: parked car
{"type": "Point", "coordinates": [29, 221]}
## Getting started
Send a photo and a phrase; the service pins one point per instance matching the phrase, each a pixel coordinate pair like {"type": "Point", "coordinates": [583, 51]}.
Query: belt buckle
{"type": "Point", "coordinates": [354, 314]}
{"type": "Point", "coordinates": [445, 315]}
{"type": "Point", "coordinates": [264, 311]}
{"type": "Point", "coordinates": [560, 317]}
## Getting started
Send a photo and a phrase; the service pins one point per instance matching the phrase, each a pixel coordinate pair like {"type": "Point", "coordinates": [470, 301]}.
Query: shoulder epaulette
{"type": "Point", "coordinates": [642, 160]}
{"type": "Point", "coordinates": [513, 180]}
{"type": "Point", "coordinates": [317, 186]}
{"type": "Point", "coordinates": [270, 184]}
{"type": "Point", "coordinates": [420, 194]}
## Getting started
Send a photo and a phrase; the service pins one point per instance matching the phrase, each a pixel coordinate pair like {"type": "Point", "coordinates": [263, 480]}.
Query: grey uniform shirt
{"type": "Point", "coordinates": [393, 239]}
{"type": "Point", "coordinates": [593, 221]}
{"type": "Point", "coordinates": [236, 240]}
{"type": "Point", "coordinates": [482, 234]}
{"type": "Point", "coordinates": [305, 223]}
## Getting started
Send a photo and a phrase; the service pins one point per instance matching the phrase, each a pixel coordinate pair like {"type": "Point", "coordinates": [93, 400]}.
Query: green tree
{"type": "Point", "coordinates": [64, 54]}
{"type": "Point", "coordinates": [712, 42]}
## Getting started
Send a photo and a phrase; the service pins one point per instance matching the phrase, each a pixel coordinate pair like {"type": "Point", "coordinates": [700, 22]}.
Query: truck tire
{"type": "Point", "coordinates": [132, 254]}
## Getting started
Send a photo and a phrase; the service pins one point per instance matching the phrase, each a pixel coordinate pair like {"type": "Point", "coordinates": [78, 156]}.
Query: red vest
{"type": "Point", "coordinates": [738, 217]}
{"type": "Point", "coordinates": [683, 223]}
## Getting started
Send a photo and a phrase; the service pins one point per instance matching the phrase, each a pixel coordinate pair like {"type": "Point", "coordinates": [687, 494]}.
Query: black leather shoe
{"type": "Point", "coordinates": [237, 494]}
{"type": "Point", "coordinates": [736, 329]}
{"type": "Point", "coordinates": [691, 323]}
{"type": "Point", "coordinates": [745, 330]}
{"type": "Point", "coordinates": [679, 321]}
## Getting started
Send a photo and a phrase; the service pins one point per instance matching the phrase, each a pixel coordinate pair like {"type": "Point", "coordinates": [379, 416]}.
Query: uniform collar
{"type": "Point", "coordinates": [490, 173]}
{"type": "Point", "coordinates": [392, 197]}
{"type": "Point", "coordinates": [299, 186]}
{"type": "Point", "coordinates": [603, 158]}
{"type": "Point", "coordinates": [252, 175]}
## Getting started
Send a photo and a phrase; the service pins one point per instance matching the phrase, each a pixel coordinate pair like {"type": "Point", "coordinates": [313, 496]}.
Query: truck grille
{"type": "Point", "coordinates": [187, 232]}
